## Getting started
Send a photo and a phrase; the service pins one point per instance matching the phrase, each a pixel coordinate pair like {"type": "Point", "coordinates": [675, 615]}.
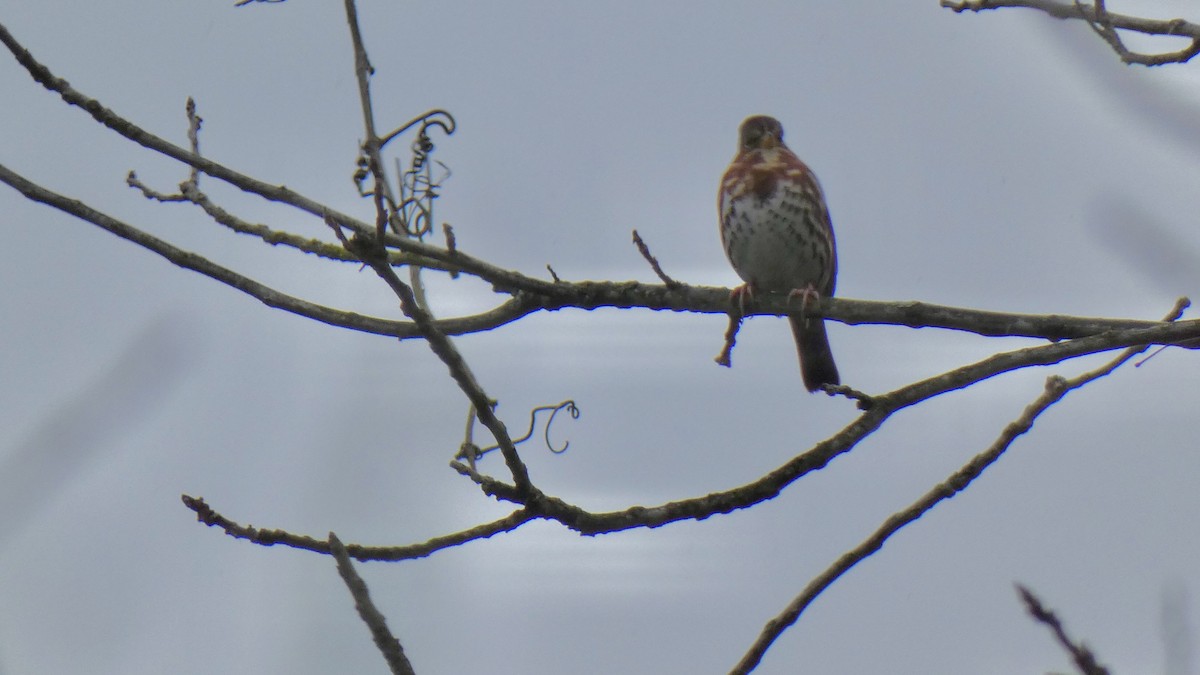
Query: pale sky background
{"type": "Point", "coordinates": [1003, 161]}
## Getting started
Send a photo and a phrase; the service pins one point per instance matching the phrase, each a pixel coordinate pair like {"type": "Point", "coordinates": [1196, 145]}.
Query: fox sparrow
{"type": "Point", "coordinates": [777, 235]}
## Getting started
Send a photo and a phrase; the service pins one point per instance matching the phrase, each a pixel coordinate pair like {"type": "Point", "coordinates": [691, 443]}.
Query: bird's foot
{"type": "Point", "coordinates": [809, 294]}
{"type": "Point", "coordinates": [739, 296]}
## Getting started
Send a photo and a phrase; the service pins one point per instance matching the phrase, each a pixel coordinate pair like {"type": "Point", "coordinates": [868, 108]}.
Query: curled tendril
{"type": "Point", "coordinates": [434, 118]}
{"type": "Point", "coordinates": [418, 186]}
{"type": "Point", "coordinates": [411, 213]}
{"type": "Point", "coordinates": [570, 408]}
{"type": "Point", "coordinates": [568, 405]}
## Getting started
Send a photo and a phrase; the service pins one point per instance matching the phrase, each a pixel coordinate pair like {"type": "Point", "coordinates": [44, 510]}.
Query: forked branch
{"type": "Point", "coordinates": [1106, 24]}
{"type": "Point", "coordinates": [1055, 389]}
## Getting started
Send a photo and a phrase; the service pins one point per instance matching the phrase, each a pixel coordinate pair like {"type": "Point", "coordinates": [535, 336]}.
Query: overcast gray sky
{"type": "Point", "coordinates": [1003, 161]}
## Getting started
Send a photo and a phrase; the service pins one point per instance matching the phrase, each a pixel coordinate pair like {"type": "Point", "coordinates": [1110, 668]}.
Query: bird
{"type": "Point", "coordinates": [777, 234]}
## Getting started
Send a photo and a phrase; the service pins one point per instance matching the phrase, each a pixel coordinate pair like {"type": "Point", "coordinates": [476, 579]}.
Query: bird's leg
{"type": "Point", "coordinates": [808, 294]}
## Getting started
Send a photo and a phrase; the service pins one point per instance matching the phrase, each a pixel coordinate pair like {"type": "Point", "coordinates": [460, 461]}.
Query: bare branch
{"type": "Point", "coordinates": [191, 261]}
{"type": "Point", "coordinates": [1055, 389]}
{"type": "Point", "coordinates": [1080, 654]}
{"type": "Point", "coordinates": [384, 245]}
{"type": "Point", "coordinates": [193, 134]}
{"type": "Point", "coordinates": [645, 251]}
{"type": "Point", "coordinates": [725, 356]}
{"type": "Point", "coordinates": [531, 294]}
{"type": "Point", "coordinates": [560, 294]}
{"type": "Point", "coordinates": [374, 255]}
{"type": "Point", "coordinates": [1105, 24]}
{"type": "Point", "coordinates": [388, 645]}
{"type": "Point", "coordinates": [282, 194]}
{"type": "Point", "coordinates": [539, 505]}
{"type": "Point", "coordinates": [205, 514]}
{"type": "Point", "coordinates": [882, 407]}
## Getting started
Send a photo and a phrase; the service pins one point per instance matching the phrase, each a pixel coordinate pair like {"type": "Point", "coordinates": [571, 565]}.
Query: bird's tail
{"type": "Point", "coordinates": [816, 358]}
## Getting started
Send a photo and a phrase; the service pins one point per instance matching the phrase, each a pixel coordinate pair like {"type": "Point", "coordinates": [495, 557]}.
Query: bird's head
{"type": "Point", "coordinates": [760, 132]}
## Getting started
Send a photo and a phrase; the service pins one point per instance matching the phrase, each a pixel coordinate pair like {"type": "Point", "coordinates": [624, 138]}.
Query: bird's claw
{"type": "Point", "coordinates": [808, 294]}
{"type": "Point", "coordinates": [738, 297]}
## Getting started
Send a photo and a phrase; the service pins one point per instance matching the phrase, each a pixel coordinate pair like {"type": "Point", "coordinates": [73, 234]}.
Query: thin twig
{"type": "Point", "coordinates": [374, 255]}
{"type": "Point", "coordinates": [371, 145]}
{"type": "Point", "coordinates": [388, 645]}
{"type": "Point", "coordinates": [1101, 24]}
{"type": "Point", "coordinates": [1080, 654]}
{"type": "Point", "coordinates": [725, 358]}
{"type": "Point", "coordinates": [193, 134]}
{"type": "Point", "coordinates": [270, 537]}
{"type": "Point", "coordinates": [645, 251]}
